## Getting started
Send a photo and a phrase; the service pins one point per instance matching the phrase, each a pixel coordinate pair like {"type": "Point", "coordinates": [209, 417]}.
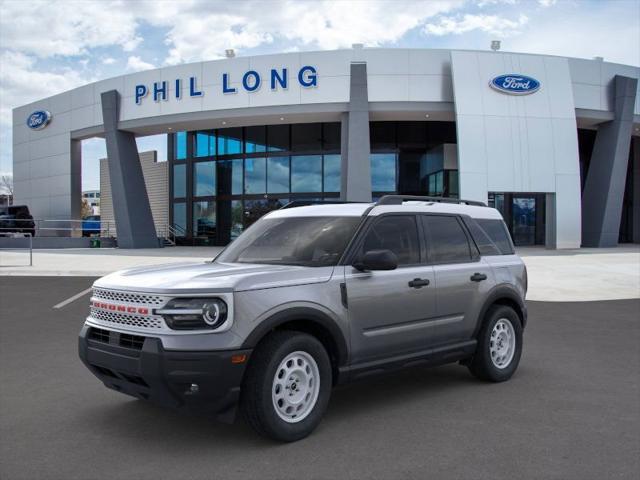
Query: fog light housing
{"type": "Point", "coordinates": [194, 313]}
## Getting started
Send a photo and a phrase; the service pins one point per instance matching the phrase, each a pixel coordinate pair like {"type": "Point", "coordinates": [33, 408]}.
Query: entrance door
{"type": "Point", "coordinates": [523, 217]}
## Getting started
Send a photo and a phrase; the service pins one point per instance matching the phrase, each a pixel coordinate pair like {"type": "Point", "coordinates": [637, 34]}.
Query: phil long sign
{"type": "Point", "coordinates": [251, 81]}
{"type": "Point", "coordinates": [515, 84]}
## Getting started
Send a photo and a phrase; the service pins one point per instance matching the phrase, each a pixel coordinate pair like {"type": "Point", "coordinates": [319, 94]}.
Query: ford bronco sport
{"type": "Point", "coordinates": [310, 297]}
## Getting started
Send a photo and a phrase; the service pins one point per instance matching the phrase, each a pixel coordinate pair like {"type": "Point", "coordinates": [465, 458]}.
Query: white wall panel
{"type": "Point", "coordinates": [512, 135]}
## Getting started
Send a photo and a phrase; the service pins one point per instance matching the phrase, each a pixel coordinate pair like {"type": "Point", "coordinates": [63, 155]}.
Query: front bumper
{"type": "Point", "coordinates": [141, 367]}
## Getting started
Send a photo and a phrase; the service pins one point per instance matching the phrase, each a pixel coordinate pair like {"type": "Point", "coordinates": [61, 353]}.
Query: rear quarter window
{"type": "Point", "coordinates": [497, 232]}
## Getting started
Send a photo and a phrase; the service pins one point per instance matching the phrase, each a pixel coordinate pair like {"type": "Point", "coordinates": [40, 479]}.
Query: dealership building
{"type": "Point", "coordinates": [552, 142]}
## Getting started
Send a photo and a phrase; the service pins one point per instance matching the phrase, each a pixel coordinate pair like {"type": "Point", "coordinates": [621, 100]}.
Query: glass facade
{"type": "Point", "coordinates": [223, 180]}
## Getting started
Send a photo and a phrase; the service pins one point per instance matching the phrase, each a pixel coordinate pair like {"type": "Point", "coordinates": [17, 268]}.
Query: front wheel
{"type": "Point", "coordinates": [287, 386]}
{"type": "Point", "coordinates": [499, 345]}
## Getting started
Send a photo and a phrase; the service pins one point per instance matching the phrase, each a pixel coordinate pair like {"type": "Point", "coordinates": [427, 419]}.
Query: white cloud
{"type": "Point", "coordinates": [66, 28]}
{"type": "Point", "coordinates": [203, 30]}
{"type": "Point", "coordinates": [547, 3]}
{"type": "Point", "coordinates": [22, 83]}
{"type": "Point", "coordinates": [135, 64]}
{"type": "Point", "coordinates": [491, 24]}
{"type": "Point", "coordinates": [108, 61]}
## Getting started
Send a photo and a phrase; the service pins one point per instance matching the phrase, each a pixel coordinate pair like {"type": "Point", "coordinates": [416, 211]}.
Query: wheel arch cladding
{"type": "Point", "coordinates": [306, 320]}
{"type": "Point", "coordinates": [507, 296]}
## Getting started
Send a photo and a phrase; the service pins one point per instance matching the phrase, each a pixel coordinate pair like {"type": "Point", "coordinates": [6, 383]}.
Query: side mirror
{"type": "Point", "coordinates": [377, 260]}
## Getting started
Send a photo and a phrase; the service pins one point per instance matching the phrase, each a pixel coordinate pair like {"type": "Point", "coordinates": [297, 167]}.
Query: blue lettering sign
{"type": "Point", "coordinates": [275, 77]}
{"type": "Point", "coordinates": [141, 92]}
{"type": "Point", "coordinates": [225, 84]}
{"type": "Point", "coordinates": [308, 77]}
{"type": "Point", "coordinates": [253, 85]}
{"type": "Point", "coordinates": [159, 90]}
{"type": "Point", "coordinates": [192, 88]}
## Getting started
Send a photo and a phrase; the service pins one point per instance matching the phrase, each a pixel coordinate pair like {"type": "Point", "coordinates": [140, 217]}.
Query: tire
{"type": "Point", "coordinates": [305, 375]}
{"type": "Point", "coordinates": [496, 361]}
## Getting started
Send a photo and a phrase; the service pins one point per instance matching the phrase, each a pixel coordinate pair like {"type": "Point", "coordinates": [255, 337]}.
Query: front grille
{"type": "Point", "coordinates": [99, 335]}
{"type": "Point", "coordinates": [127, 320]}
{"type": "Point", "coordinates": [131, 298]}
{"type": "Point", "coordinates": [131, 341]}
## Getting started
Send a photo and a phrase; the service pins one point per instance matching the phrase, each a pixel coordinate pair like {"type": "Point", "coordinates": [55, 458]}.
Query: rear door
{"type": "Point", "coordinates": [389, 311]}
{"type": "Point", "coordinates": [462, 278]}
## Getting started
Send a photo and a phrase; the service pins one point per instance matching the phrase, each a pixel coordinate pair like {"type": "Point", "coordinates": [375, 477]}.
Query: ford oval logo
{"type": "Point", "coordinates": [38, 120]}
{"type": "Point", "coordinates": [515, 84]}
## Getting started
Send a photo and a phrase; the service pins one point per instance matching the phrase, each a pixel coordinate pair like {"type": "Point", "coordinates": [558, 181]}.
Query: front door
{"type": "Point", "coordinates": [523, 217]}
{"type": "Point", "coordinates": [389, 311]}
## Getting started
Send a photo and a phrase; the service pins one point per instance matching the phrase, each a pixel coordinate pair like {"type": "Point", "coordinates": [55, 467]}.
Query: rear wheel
{"type": "Point", "coordinates": [287, 386]}
{"type": "Point", "coordinates": [499, 345]}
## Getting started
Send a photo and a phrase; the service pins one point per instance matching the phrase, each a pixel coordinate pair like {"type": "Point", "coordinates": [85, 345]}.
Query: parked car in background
{"type": "Point", "coordinates": [91, 225]}
{"type": "Point", "coordinates": [16, 219]}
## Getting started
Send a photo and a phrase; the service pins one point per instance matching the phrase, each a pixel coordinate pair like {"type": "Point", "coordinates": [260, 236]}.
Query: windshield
{"type": "Point", "coordinates": [305, 241]}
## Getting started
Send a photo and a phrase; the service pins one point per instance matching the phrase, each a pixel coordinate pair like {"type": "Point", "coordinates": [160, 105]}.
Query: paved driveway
{"type": "Point", "coordinates": [571, 411]}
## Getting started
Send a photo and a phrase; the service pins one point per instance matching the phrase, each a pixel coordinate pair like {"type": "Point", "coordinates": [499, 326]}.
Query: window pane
{"type": "Point", "coordinates": [306, 137]}
{"type": "Point", "coordinates": [180, 144]}
{"type": "Point", "coordinates": [446, 240]}
{"type": "Point", "coordinates": [482, 240]}
{"type": "Point", "coordinates": [332, 173]}
{"type": "Point", "coordinates": [237, 214]}
{"type": "Point", "coordinates": [180, 218]}
{"type": "Point", "coordinates": [230, 141]}
{"type": "Point", "coordinates": [255, 140]}
{"type": "Point", "coordinates": [307, 241]}
{"type": "Point", "coordinates": [331, 133]}
{"type": "Point", "coordinates": [255, 175]}
{"type": "Point", "coordinates": [278, 138]}
{"type": "Point", "coordinates": [179, 181]}
{"type": "Point", "coordinates": [383, 135]}
{"type": "Point", "coordinates": [278, 175]}
{"type": "Point", "coordinates": [204, 179]}
{"type": "Point", "coordinates": [306, 173]}
{"type": "Point", "coordinates": [498, 233]}
{"type": "Point", "coordinates": [398, 234]}
{"type": "Point", "coordinates": [205, 144]}
{"type": "Point", "coordinates": [230, 177]}
{"type": "Point", "coordinates": [204, 219]}
{"type": "Point", "coordinates": [383, 172]}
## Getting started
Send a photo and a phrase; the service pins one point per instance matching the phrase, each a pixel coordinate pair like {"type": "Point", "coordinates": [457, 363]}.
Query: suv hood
{"type": "Point", "coordinates": [212, 277]}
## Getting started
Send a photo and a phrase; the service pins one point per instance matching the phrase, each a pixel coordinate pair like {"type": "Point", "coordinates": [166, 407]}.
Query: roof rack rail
{"type": "Point", "coordinates": [306, 203]}
{"type": "Point", "coordinates": [398, 199]}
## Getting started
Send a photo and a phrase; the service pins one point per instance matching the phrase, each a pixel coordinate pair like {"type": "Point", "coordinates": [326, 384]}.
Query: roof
{"type": "Point", "coordinates": [358, 209]}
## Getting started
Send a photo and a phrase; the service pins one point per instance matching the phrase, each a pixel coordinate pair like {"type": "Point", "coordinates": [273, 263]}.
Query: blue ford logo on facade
{"type": "Point", "coordinates": [515, 84]}
{"type": "Point", "coordinates": [38, 120]}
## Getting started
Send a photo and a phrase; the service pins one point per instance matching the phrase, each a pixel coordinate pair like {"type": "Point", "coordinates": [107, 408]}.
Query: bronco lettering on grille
{"type": "Point", "coordinates": [119, 308]}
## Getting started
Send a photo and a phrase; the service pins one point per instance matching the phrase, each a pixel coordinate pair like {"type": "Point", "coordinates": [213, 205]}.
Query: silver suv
{"type": "Point", "coordinates": [310, 297]}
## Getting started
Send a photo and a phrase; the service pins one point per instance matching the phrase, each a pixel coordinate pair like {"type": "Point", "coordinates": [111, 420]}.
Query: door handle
{"type": "Point", "coordinates": [418, 283]}
{"type": "Point", "coordinates": [478, 277]}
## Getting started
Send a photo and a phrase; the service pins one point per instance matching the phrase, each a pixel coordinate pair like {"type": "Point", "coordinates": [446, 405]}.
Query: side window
{"type": "Point", "coordinates": [498, 233]}
{"type": "Point", "coordinates": [446, 240]}
{"type": "Point", "coordinates": [398, 233]}
{"type": "Point", "coordinates": [484, 243]}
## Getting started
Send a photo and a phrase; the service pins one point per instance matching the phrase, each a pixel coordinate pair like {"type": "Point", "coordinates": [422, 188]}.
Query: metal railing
{"type": "Point", "coordinates": [56, 228]}
{"type": "Point", "coordinates": [77, 228]}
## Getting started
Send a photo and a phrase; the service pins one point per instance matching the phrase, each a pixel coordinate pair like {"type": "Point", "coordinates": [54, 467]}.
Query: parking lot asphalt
{"type": "Point", "coordinates": [571, 411]}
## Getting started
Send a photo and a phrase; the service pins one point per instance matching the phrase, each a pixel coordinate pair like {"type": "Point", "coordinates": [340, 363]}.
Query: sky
{"type": "Point", "coordinates": [47, 47]}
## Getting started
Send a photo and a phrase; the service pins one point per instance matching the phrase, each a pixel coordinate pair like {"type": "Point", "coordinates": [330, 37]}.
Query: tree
{"type": "Point", "coordinates": [86, 209]}
{"type": "Point", "coordinates": [6, 184]}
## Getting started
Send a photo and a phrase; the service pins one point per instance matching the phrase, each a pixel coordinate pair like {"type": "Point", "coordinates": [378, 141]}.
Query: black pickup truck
{"type": "Point", "coordinates": [16, 219]}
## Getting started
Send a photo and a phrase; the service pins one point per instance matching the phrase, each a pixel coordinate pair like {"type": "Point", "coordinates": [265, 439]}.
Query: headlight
{"type": "Point", "coordinates": [194, 313]}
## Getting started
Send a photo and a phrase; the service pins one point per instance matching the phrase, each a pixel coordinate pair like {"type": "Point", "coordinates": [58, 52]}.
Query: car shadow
{"type": "Point", "coordinates": [151, 424]}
